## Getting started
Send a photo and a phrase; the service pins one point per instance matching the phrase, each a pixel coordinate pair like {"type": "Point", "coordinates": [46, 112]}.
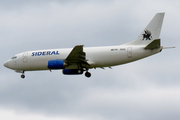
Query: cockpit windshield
{"type": "Point", "coordinates": [14, 57]}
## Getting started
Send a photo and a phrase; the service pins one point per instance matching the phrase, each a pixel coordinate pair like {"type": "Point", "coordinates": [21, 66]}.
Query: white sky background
{"type": "Point", "coordinates": [148, 89]}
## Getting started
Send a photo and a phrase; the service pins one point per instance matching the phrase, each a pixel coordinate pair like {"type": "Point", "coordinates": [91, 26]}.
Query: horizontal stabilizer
{"type": "Point", "coordinates": [168, 47]}
{"type": "Point", "coordinates": [154, 44]}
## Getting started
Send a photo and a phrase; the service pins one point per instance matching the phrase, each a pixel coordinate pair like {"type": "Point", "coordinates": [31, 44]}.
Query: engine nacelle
{"type": "Point", "coordinates": [56, 64]}
{"type": "Point", "coordinates": [72, 71]}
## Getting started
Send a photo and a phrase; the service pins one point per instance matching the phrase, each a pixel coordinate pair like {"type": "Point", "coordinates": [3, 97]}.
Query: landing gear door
{"type": "Point", "coordinates": [129, 52]}
{"type": "Point", "coordinates": [25, 57]}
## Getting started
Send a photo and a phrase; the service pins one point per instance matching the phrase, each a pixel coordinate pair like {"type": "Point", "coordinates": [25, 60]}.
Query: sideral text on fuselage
{"type": "Point", "coordinates": [45, 53]}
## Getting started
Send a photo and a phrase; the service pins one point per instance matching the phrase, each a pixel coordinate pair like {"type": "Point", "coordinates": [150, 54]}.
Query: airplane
{"type": "Point", "coordinates": [80, 59]}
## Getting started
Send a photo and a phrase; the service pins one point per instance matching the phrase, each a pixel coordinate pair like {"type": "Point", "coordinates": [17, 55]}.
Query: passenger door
{"type": "Point", "coordinates": [25, 57]}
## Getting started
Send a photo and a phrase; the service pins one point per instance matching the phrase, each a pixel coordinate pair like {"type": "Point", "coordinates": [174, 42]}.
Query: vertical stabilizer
{"type": "Point", "coordinates": [151, 32]}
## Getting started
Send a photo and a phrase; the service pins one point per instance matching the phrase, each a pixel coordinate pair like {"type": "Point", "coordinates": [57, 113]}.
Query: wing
{"type": "Point", "coordinates": [77, 57]}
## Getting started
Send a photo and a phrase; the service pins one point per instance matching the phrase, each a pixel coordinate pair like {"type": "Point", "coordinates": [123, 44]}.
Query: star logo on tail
{"type": "Point", "coordinates": [147, 35]}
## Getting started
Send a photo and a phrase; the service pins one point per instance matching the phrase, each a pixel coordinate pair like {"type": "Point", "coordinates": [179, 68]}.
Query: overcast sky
{"type": "Point", "coordinates": [148, 89]}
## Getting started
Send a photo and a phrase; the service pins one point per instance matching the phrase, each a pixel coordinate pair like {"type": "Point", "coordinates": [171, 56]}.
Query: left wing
{"type": "Point", "coordinates": [77, 57]}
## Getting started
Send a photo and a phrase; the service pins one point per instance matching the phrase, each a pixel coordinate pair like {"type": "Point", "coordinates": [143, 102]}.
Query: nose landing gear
{"type": "Point", "coordinates": [23, 76]}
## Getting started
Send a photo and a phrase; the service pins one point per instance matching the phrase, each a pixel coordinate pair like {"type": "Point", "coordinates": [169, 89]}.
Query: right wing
{"type": "Point", "coordinates": [77, 57]}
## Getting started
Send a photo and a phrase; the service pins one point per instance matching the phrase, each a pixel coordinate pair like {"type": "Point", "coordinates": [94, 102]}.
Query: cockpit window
{"type": "Point", "coordinates": [14, 57]}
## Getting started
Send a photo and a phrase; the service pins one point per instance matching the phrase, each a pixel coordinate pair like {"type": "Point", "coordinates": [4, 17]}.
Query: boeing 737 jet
{"type": "Point", "coordinates": [80, 59]}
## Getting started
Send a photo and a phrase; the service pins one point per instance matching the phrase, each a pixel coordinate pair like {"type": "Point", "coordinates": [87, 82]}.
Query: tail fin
{"type": "Point", "coordinates": [151, 32]}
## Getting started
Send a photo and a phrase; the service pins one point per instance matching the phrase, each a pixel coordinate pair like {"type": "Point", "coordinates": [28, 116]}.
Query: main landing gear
{"type": "Point", "coordinates": [87, 74]}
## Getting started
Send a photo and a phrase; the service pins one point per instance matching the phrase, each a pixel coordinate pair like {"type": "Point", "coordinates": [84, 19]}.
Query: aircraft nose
{"type": "Point", "coordinates": [6, 64]}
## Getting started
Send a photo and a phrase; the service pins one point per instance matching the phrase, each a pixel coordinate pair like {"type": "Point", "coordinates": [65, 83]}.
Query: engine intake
{"type": "Point", "coordinates": [57, 64]}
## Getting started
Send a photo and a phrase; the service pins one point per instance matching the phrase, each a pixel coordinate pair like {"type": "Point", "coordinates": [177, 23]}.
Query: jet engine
{"type": "Point", "coordinates": [72, 71]}
{"type": "Point", "coordinates": [57, 64]}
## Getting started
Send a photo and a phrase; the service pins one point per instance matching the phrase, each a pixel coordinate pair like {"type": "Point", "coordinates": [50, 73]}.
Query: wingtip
{"type": "Point", "coordinates": [161, 13]}
{"type": "Point", "coordinates": [79, 45]}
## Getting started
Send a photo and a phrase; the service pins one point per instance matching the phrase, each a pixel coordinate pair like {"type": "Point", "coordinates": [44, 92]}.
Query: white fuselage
{"type": "Point", "coordinates": [96, 56]}
{"type": "Point", "coordinates": [79, 59]}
